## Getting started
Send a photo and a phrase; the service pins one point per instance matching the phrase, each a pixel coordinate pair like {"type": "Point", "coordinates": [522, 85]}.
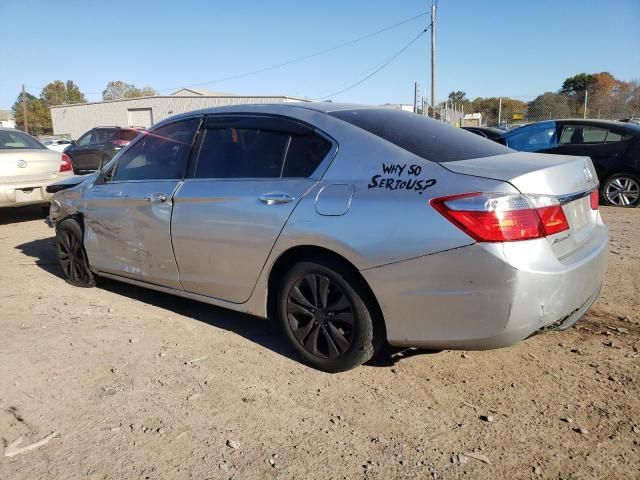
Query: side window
{"type": "Point", "coordinates": [85, 139]}
{"type": "Point", "coordinates": [304, 155]}
{"type": "Point", "coordinates": [533, 138]}
{"type": "Point", "coordinates": [240, 153]}
{"type": "Point", "coordinates": [160, 154]}
{"type": "Point", "coordinates": [104, 135]}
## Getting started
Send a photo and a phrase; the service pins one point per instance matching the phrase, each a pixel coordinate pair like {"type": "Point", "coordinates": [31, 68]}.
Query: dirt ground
{"type": "Point", "coordinates": [140, 385]}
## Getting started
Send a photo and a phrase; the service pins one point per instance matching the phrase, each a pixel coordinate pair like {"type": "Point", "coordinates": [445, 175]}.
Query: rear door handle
{"type": "Point", "coordinates": [156, 197]}
{"type": "Point", "coordinates": [275, 198]}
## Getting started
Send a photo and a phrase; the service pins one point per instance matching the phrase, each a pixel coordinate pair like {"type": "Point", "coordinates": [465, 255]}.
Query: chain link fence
{"type": "Point", "coordinates": [514, 110]}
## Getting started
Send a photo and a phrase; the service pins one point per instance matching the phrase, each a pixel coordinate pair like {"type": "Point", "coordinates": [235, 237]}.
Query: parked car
{"type": "Point", "coordinates": [58, 145]}
{"type": "Point", "coordinates": [614, 148]}
{"type": "Point", "coordinates": [99, 145]}
{"type": "Point", "coordinates": [26, 168]}
{"type": "Point", "coordinates": [492, 133]}
{"type": "Point", "coordinates": [350, 225]}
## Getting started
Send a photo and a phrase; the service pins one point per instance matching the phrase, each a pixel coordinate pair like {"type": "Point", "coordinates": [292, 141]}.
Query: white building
{"type": "Point", "coordinates": [74, 120]}
{"type": "Point", "coordinates": [6, 119]}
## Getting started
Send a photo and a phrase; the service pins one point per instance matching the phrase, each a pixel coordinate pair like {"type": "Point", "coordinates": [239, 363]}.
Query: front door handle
{"type": "Point", "coordinates": [275, 198]}
{"type": "Point", "coordinates": [156, 197]}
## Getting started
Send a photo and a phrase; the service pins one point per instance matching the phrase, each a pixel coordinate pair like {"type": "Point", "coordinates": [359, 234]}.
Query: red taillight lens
{"type": "Point", "coordinates": [503, 217]}
{"type": "Point", "coordinates": [65, 163]}
{"type": "Point", "coordinates": [594, 199]}
{"type": "Point", "coordinates": [120, 143]}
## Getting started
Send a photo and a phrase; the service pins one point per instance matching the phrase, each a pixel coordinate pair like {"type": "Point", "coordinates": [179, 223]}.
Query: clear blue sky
{"type": "Point", "coordinates": [485, 47]}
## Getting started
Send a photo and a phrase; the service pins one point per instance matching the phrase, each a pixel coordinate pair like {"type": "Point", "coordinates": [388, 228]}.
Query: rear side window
{"type": "Point", "coordinates": [240, 153]}
{"type": "Point", "coordinates": [105, 135]}
{"type": "Point", "coordinates": [428, 138]}
{"type": "Point", "coordinates": [128, 135]}
{"type": "Point", "coordinates": [258, 153]}
{"type": "Point", "coordinates": [304, 154]}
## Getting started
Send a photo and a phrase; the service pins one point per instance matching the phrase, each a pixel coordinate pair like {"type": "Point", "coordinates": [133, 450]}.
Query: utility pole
{"type": "Point", "coordinates": [24, 110]}
{"type": "Point", "coordinates": [586, 95]}
{"type": "Point", "coordinates": [433, 55]}
{"type": "Point", "coordinates": [415, 97]}
{"type": "Point", "coordinates": [499, 111]}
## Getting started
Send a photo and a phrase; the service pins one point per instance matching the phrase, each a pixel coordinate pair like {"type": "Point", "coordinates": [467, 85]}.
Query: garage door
{"type": "Point", "coordinates": [140, 117]}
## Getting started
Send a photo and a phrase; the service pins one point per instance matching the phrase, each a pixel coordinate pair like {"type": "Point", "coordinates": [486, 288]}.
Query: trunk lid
{"type": "Point", "coordinates": [568, 178]}
{"type": "Point", "coordinates": [28, 165]}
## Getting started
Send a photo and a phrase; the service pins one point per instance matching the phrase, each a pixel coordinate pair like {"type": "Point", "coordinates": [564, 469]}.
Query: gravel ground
{"type": "Point", "coordinates": [140, 385]}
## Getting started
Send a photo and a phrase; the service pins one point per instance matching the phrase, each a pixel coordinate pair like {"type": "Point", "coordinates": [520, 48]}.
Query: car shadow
{"type": "Point", "coordinates": [22, 214]}
{"type": "Point", "coordinates": [263, 332]}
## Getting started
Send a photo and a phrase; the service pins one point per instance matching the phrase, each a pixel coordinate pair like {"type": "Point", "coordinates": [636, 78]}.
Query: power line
{"type": "Point", "coordinates": [284, 64]}
{"type": "Point", "coordinates": [379, 68]}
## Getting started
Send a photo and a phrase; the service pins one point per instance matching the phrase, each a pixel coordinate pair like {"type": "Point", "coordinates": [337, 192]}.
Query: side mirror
{"type": "Point", "coordinates": [73, 142]}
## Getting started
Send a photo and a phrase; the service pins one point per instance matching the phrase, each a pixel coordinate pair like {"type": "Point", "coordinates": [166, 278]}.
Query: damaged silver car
{"type": "Point", "coordinates": [352, 226]}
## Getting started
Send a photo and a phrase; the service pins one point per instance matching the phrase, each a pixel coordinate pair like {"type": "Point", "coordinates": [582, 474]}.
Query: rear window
{"type": "Point", "coordinates": [428, 138]}
{"type": "Point", "coordinates": [13, 140]}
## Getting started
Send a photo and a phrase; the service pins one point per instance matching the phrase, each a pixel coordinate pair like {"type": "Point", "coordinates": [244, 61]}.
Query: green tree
{"type": "Point", "coordinates": [61, 93]}
{"type": "Point", "coordinates": [38, 115]}
{"type": "Point", "coordinates": [117, 90]}
{"type": "Point", "coordinates": [577, 83]}
{"type": "Point", "coordinates": [457, 97]}
{"type": "Point", "coordinates": [551, 105]}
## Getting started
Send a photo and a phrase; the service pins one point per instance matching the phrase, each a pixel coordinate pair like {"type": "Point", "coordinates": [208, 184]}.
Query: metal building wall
{"type": "Point", "coordinates": [74, 120]}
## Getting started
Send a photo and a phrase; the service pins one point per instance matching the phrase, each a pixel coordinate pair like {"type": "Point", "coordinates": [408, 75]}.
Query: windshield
{"type": "Point", "coordinates": [14, 140]}
{"type": "Point", "coordinates": [430, 139]}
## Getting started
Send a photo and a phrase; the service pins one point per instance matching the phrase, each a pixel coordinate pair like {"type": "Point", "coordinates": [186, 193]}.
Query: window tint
{"type": "Point", "coordinates": [128, 135]}
{"type": "Point", "coordinates": [85, 139]}
{"type": "Point", "coordinates": [430, 139]}
{"type": "Point", "coordinates": [533, 138]}
{"type": "Point", "coordinates": [102, 135]}
{"type": "Point", "coordinates": [240, 153]}
{"type": "Point", "coordinates": [304, 155]}
{"type": "Point", "coordinates": [11, 140]}
{"type": "Point", "coordinates": [160, 154]}
{"type": "Point", "coordinates": [589, 135]}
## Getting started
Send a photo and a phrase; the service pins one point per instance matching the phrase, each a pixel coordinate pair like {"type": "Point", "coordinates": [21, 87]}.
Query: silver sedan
{"type": "Point", "coordinates": [352, 226]}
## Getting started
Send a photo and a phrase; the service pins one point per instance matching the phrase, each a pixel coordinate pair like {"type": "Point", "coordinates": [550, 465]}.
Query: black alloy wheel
{"type": "Point", "coordinates": [72, 256]}
{"type": "Point", "coordinates": [320, 316]}
{"type": "Point", "coordinates": [324, 313]}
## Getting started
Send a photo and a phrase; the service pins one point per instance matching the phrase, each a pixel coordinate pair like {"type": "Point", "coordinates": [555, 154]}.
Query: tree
{"type": "Point", "coordinates": [550, 105]}
{"type": "Point", "coordinates": [38, 115]}
{"type": "Point", "coordinates": [59, 93]}
{"type": "Point", "coordinates": [457, 97]}
{"type": "Point", "coordinates": [117, 90]}
{"type": "Point", "coordinates": [577, 83]}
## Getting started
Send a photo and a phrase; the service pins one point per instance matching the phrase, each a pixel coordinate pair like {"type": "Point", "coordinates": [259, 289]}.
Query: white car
{"type": "Point", "coordinates": [58, 145]}
{"type": "Point", "coordinates": [27, 167]}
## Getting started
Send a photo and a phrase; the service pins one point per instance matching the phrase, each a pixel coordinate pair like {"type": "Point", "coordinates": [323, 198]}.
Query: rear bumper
{"type": "Point", "coordinates": [488, 295]}
{"type": "Point", "coordinates": [28, 193]}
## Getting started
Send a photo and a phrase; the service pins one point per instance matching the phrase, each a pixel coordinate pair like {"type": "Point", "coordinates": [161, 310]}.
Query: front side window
{"type": "Point", "coordinates": [533, 138]}
{"type": "Point", "coordinates": [14, 140]}
{"type": "Point", "coordinates": [85, 139]}
{"type": "Point", "coordinates": [160, 154]}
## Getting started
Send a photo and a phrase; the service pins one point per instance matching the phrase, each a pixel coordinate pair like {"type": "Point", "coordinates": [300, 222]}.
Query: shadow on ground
{"type": "Point", "coordinates": [263, 332]}
{"type": "Point", "coordinates": [23, 214]}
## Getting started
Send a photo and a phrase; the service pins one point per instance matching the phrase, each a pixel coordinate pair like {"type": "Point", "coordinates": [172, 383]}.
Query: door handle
{"type": "Point", "coordinates": [156, 197]}
{"type": "Point", "coordinates": [275, 198]}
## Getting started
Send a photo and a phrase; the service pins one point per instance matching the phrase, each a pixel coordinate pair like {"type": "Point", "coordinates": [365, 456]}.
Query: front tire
{"type": "Point", "coordinates": [72, 256]}
{"type": "Point", "coordinates": [324, 314]}
{"type": "Point", "coordinates": [621, 190]}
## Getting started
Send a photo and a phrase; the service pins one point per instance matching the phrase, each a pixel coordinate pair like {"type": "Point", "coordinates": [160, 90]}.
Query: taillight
{"type": "Point", "coordinates": [65, 163]}
{"type": "Point", "coordinates": [120, 143]}
{"type": "Point", "coordinates": [594, 199]}
{"type": "Point", "coordinates": [503, 217]}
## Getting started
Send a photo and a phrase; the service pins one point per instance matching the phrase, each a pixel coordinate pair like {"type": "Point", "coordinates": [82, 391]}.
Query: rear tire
{"type": "Point", "coordinates": [72, 255]}
{"type": "Point", "coordinates": [324, 314]}
{"type": "Point", "coordinates": [621, 190]}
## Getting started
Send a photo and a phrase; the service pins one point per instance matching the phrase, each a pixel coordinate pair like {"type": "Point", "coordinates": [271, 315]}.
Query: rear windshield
{"type": "Point", "coordinates": [430, 139]}
{"type": "Point", "coordinates": [13, 140]}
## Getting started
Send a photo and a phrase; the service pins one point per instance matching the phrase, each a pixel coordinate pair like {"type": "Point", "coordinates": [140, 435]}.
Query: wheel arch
{"type": "Point", "coordinates": [312, 252]}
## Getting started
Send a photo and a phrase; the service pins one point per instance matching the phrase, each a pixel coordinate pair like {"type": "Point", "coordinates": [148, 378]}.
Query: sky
{"type": "Point", "coordinates": [484, 47]}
